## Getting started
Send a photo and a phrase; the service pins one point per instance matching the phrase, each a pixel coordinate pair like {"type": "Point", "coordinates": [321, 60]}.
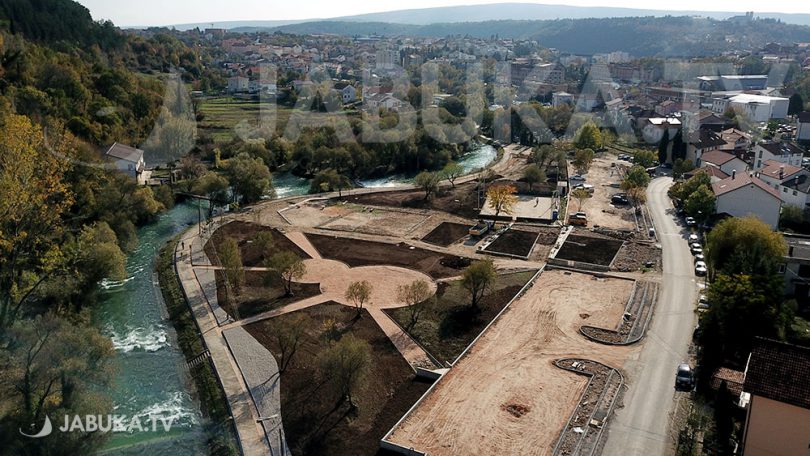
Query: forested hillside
{"type": "Point", "coordinates": [68, 87]}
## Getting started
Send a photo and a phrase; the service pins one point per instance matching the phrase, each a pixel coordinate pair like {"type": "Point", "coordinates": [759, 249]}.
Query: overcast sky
{"type": "Point", "coordinates": [167, 12]}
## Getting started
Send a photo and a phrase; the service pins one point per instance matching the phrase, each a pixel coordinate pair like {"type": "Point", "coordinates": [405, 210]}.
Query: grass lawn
{"type": "Point", "coordinates": [316, 421]}
{"type": "Point", "coordinates": [451, 325]}
{"type": "Point", "coordinates": [222, 114]}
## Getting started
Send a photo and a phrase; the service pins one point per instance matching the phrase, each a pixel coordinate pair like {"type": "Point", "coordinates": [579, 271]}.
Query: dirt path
{"type": "Point", "coordinates": [301, 241]}
{"type": "Point", "coordinates": [505, 396]}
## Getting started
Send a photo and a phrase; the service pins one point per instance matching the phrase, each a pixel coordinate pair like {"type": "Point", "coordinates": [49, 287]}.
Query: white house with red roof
{"type": "Point", "coordinates": [792, 182]}
{"type": "Point", "coordinates": [741, 195]}
{"type": "Point", "coordinates": [725, 161]}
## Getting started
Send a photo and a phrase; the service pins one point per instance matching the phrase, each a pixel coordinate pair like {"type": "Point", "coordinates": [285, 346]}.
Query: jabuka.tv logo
{"type": "Point", "coordinates": [104, 424]}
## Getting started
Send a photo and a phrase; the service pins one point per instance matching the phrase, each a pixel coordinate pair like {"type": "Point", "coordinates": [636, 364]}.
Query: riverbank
{"type": "Point", "coordinates": [221, 434]}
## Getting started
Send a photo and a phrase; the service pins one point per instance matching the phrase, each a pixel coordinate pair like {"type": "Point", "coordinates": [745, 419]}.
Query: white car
{"type": "Point", "coordinates": [577, 177]}
{"type": "Point", "coordinates": [700, 268]}
{"type": "Point", "coordinates": [703, 302]}
{"type": "Point", "coordinates": [693, 238]}
{"type": "Point", "coordinates": [700, 257]}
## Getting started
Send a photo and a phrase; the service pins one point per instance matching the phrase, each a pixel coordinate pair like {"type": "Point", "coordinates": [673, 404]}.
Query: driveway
{"type": "Point", "coordinates": [642, 427]}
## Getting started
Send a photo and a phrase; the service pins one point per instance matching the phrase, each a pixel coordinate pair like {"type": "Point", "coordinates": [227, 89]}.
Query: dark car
{"type": "Point", "coordinates": [684, 379]}
{"type": "Point", "coordinates": [619, 199]}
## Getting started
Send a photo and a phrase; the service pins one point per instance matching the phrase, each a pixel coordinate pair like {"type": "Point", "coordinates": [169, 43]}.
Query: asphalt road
{"type": "Point", "coordinates": [641, 427]}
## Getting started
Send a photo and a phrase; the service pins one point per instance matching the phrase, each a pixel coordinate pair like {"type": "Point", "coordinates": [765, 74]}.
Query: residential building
{"type": "Point", "coordinates": [733, 82]}
{"type": "Point", "coordinates": [797, 267]}
{"type": "Point", "coordinates": [561, 98]}
{"type": "Point", "coordinates": [348, 92]}
{"type": "Point", "coordinates": [238, 84]}
{"type": "Point", "coordinates": [783, 152]}
{"type": "Point", "coordinates": [654, 128]}
{"type": "Point", "coordinates": [777, 389]}
{"type": "Point", "coordinates": [737, 141]}
{"type": "Point", "coordinates": [792, 182]}
{"type": "Point", "coordinates": [387, 59]}
{"type": "Point", "coordinates": [699, 142]}
{"type": "Point", "coordinates": [803, 127]}
{"type": "Point", "coordinates": [126, 159]}
{"type": "Point", "coordinates": [724, 161]}
{"type": "Point", "coordinates": [758, 108]}
{"type": "Point", "coordinates": [742, 195]}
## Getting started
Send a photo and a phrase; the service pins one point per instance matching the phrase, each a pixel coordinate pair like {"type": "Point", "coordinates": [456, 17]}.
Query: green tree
{"type": "Point", "coordinates": [700, 204]}
{"type": "Point", "coordinates": [288, 337]}
{"type": "Point", "coordinates": [681, 167]}
{"type": "Point", "coordinates": [795, 104]}
{"type": "Point", "coordinates": [359, 294]}
{"type": "Point", "coordinates": [451, 172]}
{"type": "Point", "coordinates": [345, 365]}
{"type": "Point", "coordinates": [644, 158]}
{"type": "Point", "coordinates": [588, 137]}
{"type": "Point", "coordinates": [250, 178]}
{"type": "Point", "coordinates": [580, 194]}
{"type": "Point", "coordinates": [231, 259]}
{"type": "Point", "coordinates": [213, 186]}
{"type": "Point", "coordinates": [582, 160]}
{"type": "Point", "coordinates": [663, 147]}
{"type": "Point", "coordinates": [329, 180]}
{"type": "Point", "coordinates": [744, 246]}
{"type": "Point", "coordinates": [428, 182]}
{"type": "Point", "coordinates": [477, 279]}
{"type": "Point", "coordinates": [681, 191]}
{"type": "Point", "coordinates": [543, 156]}
{"type": "Point", "coordinates": [265, 244]}
{"type": "Point", "coordinates": [289, 266]}
{"type": "Point", "coordinates": [636, 177]}
{"type": "Point", "coordinates": [532, 175]}
{"type": "Point", "coordinates": [53, 367]}
{"type": "Point", "coordinates": [791, 217]}
{"type": "Point", "coordinates": [416, 296]}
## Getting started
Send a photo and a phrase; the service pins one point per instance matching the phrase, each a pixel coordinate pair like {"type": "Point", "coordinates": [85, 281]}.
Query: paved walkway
{"type": "Point", "coordinates": [301, 240]}
{"type": "Point", "coordinates": [250, 434]}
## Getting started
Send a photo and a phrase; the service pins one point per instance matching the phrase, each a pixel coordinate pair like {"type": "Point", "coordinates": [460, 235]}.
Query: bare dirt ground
{"type": "Point", "coordinates": [599, 209]}
{"type": "Point", "coordinates": [359, 218]}
{"type": "Point", "coordinates": [473, 409]}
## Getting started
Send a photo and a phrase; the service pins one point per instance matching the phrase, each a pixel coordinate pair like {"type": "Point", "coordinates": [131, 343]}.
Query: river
{"type": "Point", "coordinates": [151, 379]}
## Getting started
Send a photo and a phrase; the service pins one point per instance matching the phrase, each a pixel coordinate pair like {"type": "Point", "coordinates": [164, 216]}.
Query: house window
{"type": "Point", "coordinates": [782, 268]}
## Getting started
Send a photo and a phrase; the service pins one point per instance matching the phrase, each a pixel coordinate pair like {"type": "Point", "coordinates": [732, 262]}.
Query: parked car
{"type": "Point", "coordinates": [684, 378]}
{"type": "Point", "coordinates": [693, 238]}
{"type": "Point", "coordinates": [700, 268]}
{"type": "Point", "coordinates": [690, 221]}
{"type": "Point", "coordinates": [577, 221]}
{"type": "Point", "coordinates": [703, 302]}
{"type": "Point", "coordinates": [699, 257]}
{"type": "Point", "coordinates": [587, 187]}
{"type": "Point", "coordinates": [696, 248]}
{"type": "Point", "coordinates": [619, 198]}
{"type": "Point", "coordinates": [580, 215]}
{"type": "Point", "coordinates": [577, 177]}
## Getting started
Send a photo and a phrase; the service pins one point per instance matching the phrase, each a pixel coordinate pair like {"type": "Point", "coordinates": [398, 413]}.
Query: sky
{"type": "Point", "coordinates": [168, 12]}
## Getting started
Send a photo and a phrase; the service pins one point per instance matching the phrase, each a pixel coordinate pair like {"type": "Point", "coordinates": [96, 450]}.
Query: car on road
{"type": "Point", "coordinates": [684, 378]}
{"type": "Point", "coordinates": [700, 257]}
{"type": "Point", "coordinates": [703, 302]}
{"type": "Point", "coordinates": [587, 187]}
{"type": "Point", "coordinates": [577, 177]}
{"type": "Point", "coordinates": [693, 238]}
{"type": "Point", "coordinates": [690, 221]}
{"type": "Point", "coordinates": [696, 248]}
{"type": "Point", "coordinates": [700, 268]}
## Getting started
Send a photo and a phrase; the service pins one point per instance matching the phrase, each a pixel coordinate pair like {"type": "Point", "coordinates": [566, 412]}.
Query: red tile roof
{"type": "Point", "coordinates": [717, 157]}
{"type": "Point", "coordinates": [778, 371]}
{"type": "Point", "coordinates": [772, 168]}
{"type": "Point", "coordinates": [730, 184]}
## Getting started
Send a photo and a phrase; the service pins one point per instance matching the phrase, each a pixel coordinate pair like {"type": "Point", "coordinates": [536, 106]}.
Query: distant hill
{"type": "Point", "coordinates": [499, 11]}
{"type": "Point", "coordinates": [640, 36]}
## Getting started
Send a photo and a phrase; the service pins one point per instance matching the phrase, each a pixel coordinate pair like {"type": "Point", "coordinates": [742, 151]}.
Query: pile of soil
{"type": "Point", "coordinates": [589, 249]}
{"type": "Point", "coordinates": [635, 255]}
